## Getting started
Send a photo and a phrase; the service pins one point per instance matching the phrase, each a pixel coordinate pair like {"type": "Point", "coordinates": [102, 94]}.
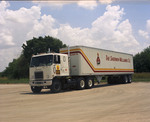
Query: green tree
{"type": "Point", "coordinates": [17, 69]}
{"type": "Point", "coordinates": [41, 45]}
{"type": "Point", "coordinates": [11, 70]}
{"type": "Point", "coordinates": [142, 61]}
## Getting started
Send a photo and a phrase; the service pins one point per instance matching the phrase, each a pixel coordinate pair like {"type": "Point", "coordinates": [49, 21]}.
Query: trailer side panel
{"type": "Point", "coordinates": [92, 61]}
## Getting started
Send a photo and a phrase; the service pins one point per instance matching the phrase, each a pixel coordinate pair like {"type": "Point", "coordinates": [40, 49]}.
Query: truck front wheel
{"type": "Point", "coordinates": [36, 89]}
{"type": "Point", "coordinates": [56, 86]}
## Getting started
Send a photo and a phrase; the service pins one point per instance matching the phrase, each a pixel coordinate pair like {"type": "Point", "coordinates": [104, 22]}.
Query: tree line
{"type": "Point", "coordinates": [19, 68]}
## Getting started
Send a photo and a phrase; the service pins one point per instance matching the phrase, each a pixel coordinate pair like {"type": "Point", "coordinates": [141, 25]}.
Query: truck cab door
{"type": "Point", "coordinates": [61, 65]}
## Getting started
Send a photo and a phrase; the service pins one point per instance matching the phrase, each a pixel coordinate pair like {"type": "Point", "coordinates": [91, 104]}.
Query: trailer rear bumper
{"type": "Point", "coordinates": [41, 83]}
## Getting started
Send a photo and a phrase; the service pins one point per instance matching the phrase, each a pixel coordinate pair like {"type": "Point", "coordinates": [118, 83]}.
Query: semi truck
{"type": "Point", "coordinates": [79, 67]}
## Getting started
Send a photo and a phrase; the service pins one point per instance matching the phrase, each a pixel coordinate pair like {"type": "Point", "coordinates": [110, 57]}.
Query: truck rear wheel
{"type": "Point", "coordinates": [80, 83]}
{"type": "Point", "coordinates": [89, 83]}
{"type": "Point", "coordinates": [36, 89]}
{"type": "Point", "coordinates": [129, 79]}
{"type": "Point", "coordinates": [110, 80]}
{"type": "Point", "coordinates": [124, 79]}
{"type": "Point", "coordinates": [56, 86]}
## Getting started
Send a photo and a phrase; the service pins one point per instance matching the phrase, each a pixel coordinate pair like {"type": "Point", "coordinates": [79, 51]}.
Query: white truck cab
{"type": "Point", "coordinates": [45, 67]}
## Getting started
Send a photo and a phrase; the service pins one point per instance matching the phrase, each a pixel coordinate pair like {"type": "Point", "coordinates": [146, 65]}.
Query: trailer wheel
{"type": "Point", "coordinates": [110, 80]}
{"type": "Point", "coordinates": [129, 79]}
{"type": "Point", "coordinates": [89, 83]}
{"type": "Point", "coordinates": [80, 83]}
{"type": "Point", "coordinates": [36, 89]}
{"type": "Point", "coordinates": [124, 79]}
{"type": "Point", "coordinates": [56, 86]}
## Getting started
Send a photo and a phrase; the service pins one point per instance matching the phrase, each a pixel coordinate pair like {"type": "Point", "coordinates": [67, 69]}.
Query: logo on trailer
{"type": "Point", "coordinates": [98, 61]}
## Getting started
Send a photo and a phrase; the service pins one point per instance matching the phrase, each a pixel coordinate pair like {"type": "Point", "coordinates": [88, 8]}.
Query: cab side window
{"type": "Point", "coordinates": [56, 59]}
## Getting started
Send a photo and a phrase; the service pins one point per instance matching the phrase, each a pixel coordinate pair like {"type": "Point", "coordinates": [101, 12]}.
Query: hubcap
{"type": "Point", "coordinates": [82, 83]}
{"type": "Point", "coordinates": [90, 83]}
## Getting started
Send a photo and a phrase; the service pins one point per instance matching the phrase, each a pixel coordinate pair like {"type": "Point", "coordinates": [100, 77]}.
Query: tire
{"type": "Point", "coordinates": [80, 83]}
{"type": "Point", "coordinates": [124, 79]}
{"type": "Point", "coordinates": [129, 79]}
{"type": "Point", "coordinates": [56, 86]}
{"type": "Point", "coordinates": [110, 80]}
{"type": "Point", "coordinates": [89, 83]}
{"type": "Point", "coordinates": [36, 89]}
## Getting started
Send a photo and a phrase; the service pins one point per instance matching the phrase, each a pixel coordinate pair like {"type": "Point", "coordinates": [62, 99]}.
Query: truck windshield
{"type": "Point", "coordinates": [41, 61]}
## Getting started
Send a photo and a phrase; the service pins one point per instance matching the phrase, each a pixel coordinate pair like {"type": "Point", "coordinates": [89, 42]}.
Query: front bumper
{"type": "Point", "coordinates": [40, 83]}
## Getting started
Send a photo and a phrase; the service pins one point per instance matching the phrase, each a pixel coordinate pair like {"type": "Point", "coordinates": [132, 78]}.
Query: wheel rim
{"type": "Point", "coordinates": [90, 83]}
{"type": "Point", "coordinates": [82, 83]}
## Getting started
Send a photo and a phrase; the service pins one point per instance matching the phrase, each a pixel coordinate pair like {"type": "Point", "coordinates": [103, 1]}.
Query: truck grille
{"type": "Point", "coordinates": [38, 75]}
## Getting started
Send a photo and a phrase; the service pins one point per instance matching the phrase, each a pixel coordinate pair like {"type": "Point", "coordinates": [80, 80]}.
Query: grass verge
{"type": "Point", "coordinates": [5, 80]}
{"type": "Point", "coordinates": [141, 77]}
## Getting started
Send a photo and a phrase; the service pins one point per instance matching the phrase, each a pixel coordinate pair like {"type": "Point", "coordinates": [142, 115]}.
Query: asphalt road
{"type": "Point", "coordinates": [104, 103]}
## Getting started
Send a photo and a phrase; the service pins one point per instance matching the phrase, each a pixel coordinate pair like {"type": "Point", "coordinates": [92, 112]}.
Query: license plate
{"type": "Point", "coordinates": [38, 82]}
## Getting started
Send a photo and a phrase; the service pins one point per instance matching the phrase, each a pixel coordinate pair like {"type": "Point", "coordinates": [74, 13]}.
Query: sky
{"type": "Point", "coordinates": [118, 25]}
